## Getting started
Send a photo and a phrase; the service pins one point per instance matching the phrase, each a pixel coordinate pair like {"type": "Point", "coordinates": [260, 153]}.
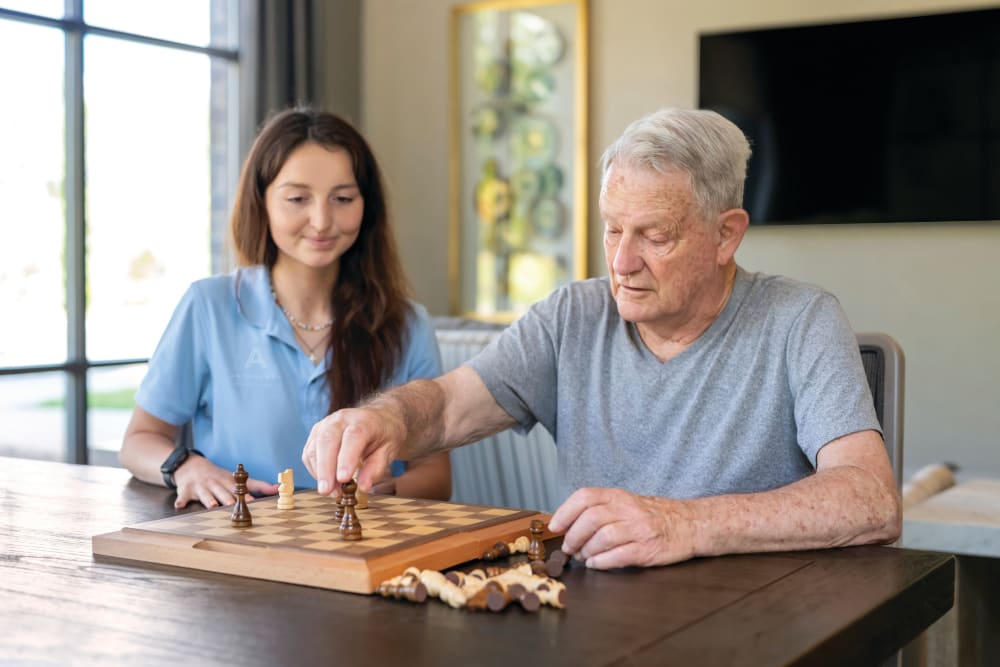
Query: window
{"type": "Point", "coordinates": [118, 140]}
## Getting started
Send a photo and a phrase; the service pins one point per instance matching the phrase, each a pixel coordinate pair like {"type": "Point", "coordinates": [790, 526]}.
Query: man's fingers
{"type": "Point", "coordinates": [355, 439]}
{"type": "Point", "coordinates": [348, 442]}
{"type": "Point", "coordinates": [309, 456]}
{"type": "Point", "coordinates": [568, 518]}
{"type": "Point", "coordinates": [373, 469]}
{"type": "Point", "coordinates": [325, 441]}
{"type": "Point", "coordinates": [622, 555]}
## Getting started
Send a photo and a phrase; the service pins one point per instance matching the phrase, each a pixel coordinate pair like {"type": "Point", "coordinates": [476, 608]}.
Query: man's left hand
{"type": "Point", "coordinates": [609, 528]}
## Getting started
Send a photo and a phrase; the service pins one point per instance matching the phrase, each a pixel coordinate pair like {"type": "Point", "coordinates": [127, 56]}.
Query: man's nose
{"type": "Point", "coordinates": [628, 258]}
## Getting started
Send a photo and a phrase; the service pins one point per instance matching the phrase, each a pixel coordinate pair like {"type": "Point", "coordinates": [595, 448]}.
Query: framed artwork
{"type": "Point", "coordinates": [518, 153]}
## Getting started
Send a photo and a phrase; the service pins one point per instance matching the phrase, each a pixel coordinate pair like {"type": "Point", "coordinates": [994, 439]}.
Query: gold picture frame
{"type": "Point", "coordinates": [518, 157]}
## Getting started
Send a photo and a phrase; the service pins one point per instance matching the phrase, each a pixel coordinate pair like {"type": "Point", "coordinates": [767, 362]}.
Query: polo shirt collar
{"type": "Point", "coordinates": [255, 300]}
{"type": "Point", "coordinates": [252, 287]}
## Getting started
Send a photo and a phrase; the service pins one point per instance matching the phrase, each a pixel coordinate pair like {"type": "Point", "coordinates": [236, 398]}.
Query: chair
{"type": "Point", "coordinates": [506, 469]}
{"type": "Point", "coordinates": [884, 365]}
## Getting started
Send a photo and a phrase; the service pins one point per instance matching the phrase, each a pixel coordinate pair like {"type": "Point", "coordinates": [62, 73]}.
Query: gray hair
{"type": "Point", "coordinates": [710, 149]}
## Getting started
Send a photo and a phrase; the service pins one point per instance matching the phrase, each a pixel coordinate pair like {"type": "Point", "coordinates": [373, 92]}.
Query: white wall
{"type": "Point", "coordinates": [932, 286]}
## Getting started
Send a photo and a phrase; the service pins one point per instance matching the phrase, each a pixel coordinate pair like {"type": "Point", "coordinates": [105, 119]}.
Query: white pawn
{"type": "Point", "coordinates": [286, 487]}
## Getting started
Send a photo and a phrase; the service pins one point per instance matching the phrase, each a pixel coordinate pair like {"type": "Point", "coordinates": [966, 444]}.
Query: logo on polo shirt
{"type": "Point", "coordinates": [256, 370]}
{"type": "Point", "coordinates": [255, 359]}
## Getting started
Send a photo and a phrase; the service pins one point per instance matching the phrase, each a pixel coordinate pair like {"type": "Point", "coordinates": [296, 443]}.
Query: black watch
{"type": "Point", "coordinates": [173, 462]}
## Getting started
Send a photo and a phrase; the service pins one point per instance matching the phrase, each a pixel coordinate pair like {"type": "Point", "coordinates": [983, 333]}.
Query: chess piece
{"type": "Point", "coordinates": [286, 488]}
{"type": "Point", "coordinates": [536, 550]}
{"type": "Point", "coordinates": [556, 563]}
{"type": "Point", "coordinates": [362, 500]}
{"type": "Point", "coordinates": [489, 597]}
{"type": "Point", "coordinates": [406, 588]}
{"type": "Point", "coordinates": [441, 587]}
{"type": "Point", "coordinates": [527, 599]}
{"type": "Point", "coordinates": [350, 526]}
{"type": "Point", "coordinates": [241, 513]}
{"type": "Point", "coordinates": [362, 496]}
{"type": "Point", "coordinates": [499, 550]}
{"type": "Point", "coordinates": [552, 593]}
{"type": "Point", "coordinates": [520, 545]}
{"type": "Point", "coordinates": [338, 514]}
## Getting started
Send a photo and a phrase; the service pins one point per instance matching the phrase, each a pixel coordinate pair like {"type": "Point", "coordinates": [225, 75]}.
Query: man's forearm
{"type": "Point", "coordinates": [839, 506]}
{"type": "Point", "coordinates": [419, 406]}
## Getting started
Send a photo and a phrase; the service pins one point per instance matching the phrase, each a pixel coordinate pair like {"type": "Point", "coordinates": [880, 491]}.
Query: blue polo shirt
{"type": "Point", "coordinates": [229, 361]}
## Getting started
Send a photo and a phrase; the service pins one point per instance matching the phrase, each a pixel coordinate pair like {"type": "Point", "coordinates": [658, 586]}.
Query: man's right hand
{"type": "Point", "coordinates": [364, 439]}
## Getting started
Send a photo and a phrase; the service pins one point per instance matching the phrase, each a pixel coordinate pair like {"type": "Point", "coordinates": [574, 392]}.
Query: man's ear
{"type": "Point", "coordinates": [732, 225]}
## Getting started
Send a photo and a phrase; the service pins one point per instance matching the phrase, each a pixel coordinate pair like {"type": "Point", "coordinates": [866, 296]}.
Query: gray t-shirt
{"type": "Point", "coordinates": [744, 408]}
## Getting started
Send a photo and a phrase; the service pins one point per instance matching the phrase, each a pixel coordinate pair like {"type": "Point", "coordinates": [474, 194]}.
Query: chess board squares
{"type": "Point", "coordinates": [328, 545]}
{"type": "Point", "coordinates": [308, 517]}
{"type": "Point", "coordinates": [394, 500]}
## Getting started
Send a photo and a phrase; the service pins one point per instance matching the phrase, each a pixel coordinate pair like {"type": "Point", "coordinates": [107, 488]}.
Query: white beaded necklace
{"type": "Point", "coordinates": [296, 322]}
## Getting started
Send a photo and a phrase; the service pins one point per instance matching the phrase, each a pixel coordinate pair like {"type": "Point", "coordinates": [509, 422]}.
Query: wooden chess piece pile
{"type": "Point", "coordinates": [529, 584]}
{"type": "Point", "coordinates": [535, 549]}
{"type": "Point", "coordinates": [494, 589]}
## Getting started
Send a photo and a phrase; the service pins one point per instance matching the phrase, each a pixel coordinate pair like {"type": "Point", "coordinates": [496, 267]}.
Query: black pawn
{"type": "Point", "coordinates": [338, 514]}
{"type": "Point", "coordinates": [241, 513]}
{"type": "Point", "coordinates": [350, 526]}
{"type": "Point", "coordinates": [536, 550]}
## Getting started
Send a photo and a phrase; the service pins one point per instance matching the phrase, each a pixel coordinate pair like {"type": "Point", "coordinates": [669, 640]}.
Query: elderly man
{"type": "Point", "coordinates": [698, 409]}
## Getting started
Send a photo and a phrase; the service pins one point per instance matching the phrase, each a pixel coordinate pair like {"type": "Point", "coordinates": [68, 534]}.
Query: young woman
{"type": "Point", "coordinates": [316, 318]}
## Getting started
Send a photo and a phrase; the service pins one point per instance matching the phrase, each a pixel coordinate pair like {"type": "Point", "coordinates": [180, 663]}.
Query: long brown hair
{"type": "Point", "coordinates": [369, 300]}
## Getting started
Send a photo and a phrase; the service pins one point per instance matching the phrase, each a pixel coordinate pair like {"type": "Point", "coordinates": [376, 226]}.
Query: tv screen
{"type": "Point", "coordinates": [892, 120]}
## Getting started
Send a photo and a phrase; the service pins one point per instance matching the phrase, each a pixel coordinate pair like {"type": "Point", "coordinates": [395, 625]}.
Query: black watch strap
{"type": "Point", "coordinates": [173, 462]}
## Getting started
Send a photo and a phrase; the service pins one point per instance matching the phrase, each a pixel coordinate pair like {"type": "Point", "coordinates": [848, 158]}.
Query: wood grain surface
{"type": "Point", "coordinates": [61, 606]}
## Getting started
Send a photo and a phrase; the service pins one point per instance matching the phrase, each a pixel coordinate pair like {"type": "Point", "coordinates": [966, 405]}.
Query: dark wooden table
{"type": "Point", "coordinates": [58, 605]}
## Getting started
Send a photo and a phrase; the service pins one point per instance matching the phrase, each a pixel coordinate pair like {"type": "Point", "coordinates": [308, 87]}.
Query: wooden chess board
{"type": "Point", "coordinates": [303, 545]}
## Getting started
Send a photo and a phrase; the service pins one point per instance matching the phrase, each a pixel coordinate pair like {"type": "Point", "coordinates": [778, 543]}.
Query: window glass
{"type": "Point", "coordinates": [148, 190]}
{"type": "Point", "coordinates": [50, 8]}
{"type": "Point", "coordinates": [32, 411]}
{"type": "Point", "coordinates": [187, 21]}
{"type": "Point", "coordinates": [32, 186]}
{"type": "Point", "coordinates": [110, 399]}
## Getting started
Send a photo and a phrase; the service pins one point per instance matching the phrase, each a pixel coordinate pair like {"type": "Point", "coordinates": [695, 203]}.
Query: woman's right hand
{"type": "Point", "coordinates": [201, 480]}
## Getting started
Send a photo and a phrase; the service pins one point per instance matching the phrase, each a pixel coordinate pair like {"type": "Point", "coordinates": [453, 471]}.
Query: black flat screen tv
{"type": "Point", "coordinates": [894, 120]}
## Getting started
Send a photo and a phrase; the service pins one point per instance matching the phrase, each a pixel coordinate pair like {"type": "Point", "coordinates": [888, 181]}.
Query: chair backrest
{"type": "Point", "coordinates": [885, 368]}
{"type": "Point", "coordinates": [507, 469]}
